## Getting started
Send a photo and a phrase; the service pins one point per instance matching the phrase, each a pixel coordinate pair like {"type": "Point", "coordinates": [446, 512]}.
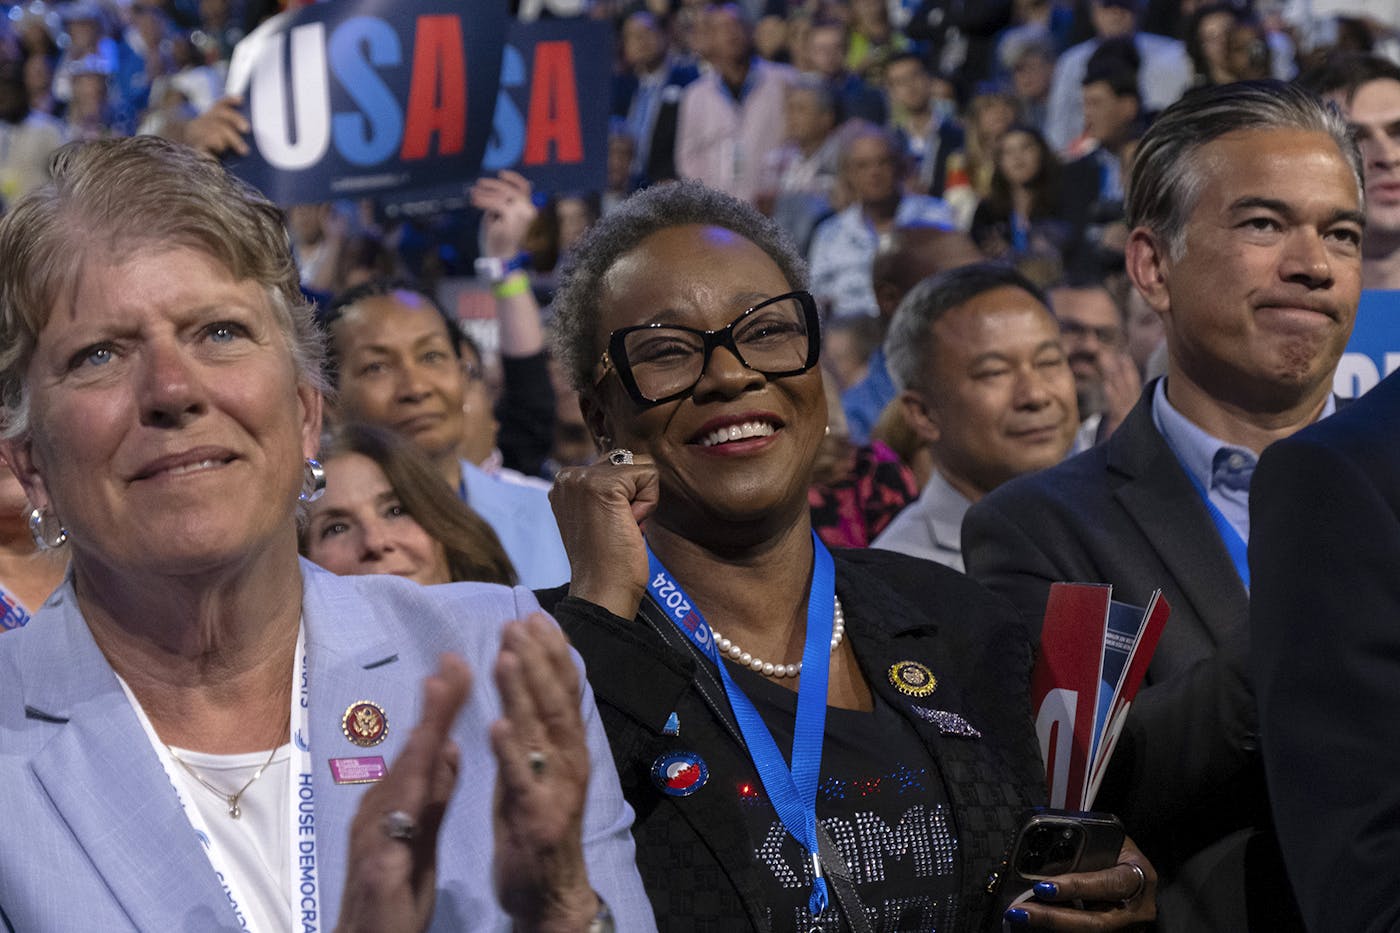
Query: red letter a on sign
{"type": "Point", "coordinates": [553, 106]}
{"type": "Point", "coordinates": [437, 92]}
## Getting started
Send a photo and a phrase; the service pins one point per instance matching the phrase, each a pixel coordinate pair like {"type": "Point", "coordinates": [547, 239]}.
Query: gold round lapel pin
{"type": "Point", "coordinates": [913, 679]}
{"type": "Point", "coordinates": [364, 723]}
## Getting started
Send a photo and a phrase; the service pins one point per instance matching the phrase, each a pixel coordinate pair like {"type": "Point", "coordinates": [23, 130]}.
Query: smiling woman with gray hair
{"type": "Point", "coordinates": [198, 727]}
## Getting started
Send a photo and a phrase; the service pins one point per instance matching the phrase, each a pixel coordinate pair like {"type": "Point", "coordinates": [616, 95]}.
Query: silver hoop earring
{"type": "Point", "coordinates": [313, 486]}
{"type": "Point", "coordinates": [41, 526]}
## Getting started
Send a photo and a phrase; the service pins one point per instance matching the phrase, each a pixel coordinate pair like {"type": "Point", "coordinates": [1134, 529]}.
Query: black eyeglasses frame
{"type": "Point", "coordinates": [615, 357]}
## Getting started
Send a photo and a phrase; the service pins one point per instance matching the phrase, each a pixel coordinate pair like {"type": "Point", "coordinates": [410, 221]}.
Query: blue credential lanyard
{"type": "Point", "coordinates": [1234, 544]}
{"type": "Point", "coordinates": [1020, 234]}
{"type": "Point", "coordinates": [793, 792]}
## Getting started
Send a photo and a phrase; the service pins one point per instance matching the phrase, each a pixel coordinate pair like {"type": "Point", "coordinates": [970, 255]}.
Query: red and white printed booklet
{"type": "Point", "coordinates": [1094, 653]}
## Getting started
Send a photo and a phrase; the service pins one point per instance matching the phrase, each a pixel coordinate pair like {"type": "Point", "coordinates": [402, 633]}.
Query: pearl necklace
{"type": "Point", "coordinates": [769, 669]}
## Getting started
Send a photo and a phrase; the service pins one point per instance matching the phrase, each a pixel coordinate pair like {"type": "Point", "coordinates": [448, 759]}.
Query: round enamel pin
{"type": "Point", "coordinates": [679, 774]}
{"type": "Point", "coordinates": [364, 723]}
{"type": "Point", "coordinates": [913, 679]}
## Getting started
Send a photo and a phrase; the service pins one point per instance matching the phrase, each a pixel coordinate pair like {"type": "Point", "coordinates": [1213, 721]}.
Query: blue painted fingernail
{"type": "Point", "coordinates": [1046, 889]}
{"type": "Point", "coordinates": [1017, 916]}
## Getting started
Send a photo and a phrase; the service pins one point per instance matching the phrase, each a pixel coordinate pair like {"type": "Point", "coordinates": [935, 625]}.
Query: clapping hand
{"type": "Point", "coordinates": [541, 789]}
{"type": "Point", "coordinates": [392, 874]}
{"type": "Point", "coordinates": [542, 773]}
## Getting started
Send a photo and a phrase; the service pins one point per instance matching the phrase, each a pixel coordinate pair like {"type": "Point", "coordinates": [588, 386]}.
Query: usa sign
{"type": "Point", "coordinates": [399, 99]}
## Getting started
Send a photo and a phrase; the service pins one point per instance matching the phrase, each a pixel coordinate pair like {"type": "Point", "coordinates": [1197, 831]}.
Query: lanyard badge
{"type": "Point", "coordinates": [793, 791]}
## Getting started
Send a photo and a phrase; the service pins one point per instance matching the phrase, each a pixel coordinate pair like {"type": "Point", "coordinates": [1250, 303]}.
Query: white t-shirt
{"type": "Point", "coordinates": [254, 850]}
{"type": "Point", "coordinates": [254, 847]}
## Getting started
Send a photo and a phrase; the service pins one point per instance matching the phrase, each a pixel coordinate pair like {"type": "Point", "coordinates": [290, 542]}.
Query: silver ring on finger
{"type": "Point", "coordinates": [1141, 885]}
{"type": "Point", "coordinates": [620, 456]}
{"type": "Point", "coordinates": [399, 825]}
{"type": "Point", "coordinates": [537, 761]}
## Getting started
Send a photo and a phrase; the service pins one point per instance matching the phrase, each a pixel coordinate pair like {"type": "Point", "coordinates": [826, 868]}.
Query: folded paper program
{"type": "Point", "coordinates": [1093, 655]}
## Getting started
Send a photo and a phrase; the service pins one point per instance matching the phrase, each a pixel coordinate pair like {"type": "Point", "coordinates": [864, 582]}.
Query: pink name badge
{"type": "Point", "coordinates": [358, 770]}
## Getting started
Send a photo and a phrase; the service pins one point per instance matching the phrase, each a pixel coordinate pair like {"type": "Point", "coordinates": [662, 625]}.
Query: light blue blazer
{"type": "Point", "coordinates": [523, 520]}
{"type": "Point", "coordinates": [92, 836]}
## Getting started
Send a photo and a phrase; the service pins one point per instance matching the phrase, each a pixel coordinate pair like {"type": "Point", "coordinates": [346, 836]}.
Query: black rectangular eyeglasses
{"type": "Point", "coordinates": [662, 362]}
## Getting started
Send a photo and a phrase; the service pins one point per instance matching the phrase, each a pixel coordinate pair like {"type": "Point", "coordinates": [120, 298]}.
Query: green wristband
{"type": "Point", "coordinates": [513, 285]}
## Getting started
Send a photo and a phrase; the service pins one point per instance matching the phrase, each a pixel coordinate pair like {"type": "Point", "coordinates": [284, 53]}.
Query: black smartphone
{"type": "Point", "coordinates": [1059, 842]}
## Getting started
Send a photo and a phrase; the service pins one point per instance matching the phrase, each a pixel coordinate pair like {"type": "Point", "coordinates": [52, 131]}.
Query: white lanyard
{"type": "Point", "coordinates": [304, 882]}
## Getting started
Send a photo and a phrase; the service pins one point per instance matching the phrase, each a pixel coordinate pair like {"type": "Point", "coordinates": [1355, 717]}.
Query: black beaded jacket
{"type": "Point", "coordinates": [694, 853]}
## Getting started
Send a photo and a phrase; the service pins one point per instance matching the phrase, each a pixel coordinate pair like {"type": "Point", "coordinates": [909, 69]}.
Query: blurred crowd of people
{"type": "Point", "coordinates": [1012, 121]}
{"type": "Point", "coordinates": [1018, 117]}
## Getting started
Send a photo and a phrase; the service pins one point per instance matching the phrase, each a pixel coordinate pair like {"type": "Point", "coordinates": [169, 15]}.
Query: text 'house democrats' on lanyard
{"type": "Point", "coordinates": [793, 792]}
{"type": "Point", "coordinates": [304, 891]}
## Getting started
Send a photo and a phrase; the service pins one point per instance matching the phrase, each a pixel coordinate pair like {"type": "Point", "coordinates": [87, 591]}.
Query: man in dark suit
{"type": "Point", "coordinates": [1245, 217]}
{"type": "Point", "coordinates": [828, 42]}
{"type": "Point", "coordinates": [1325, 558]}
{"type": "Point", "coordinates": [1092, 186]}
{"type": "Point", "coordinates": [646, 95]}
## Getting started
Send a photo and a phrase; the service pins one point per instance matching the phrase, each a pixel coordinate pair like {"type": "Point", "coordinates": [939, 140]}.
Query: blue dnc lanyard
{"type": "Point", "coordinates": [1234, 544]}
{"type": "Point", "coordinates": [1020, 234]}
{"type": "Point", "coordinates": [793, 792]}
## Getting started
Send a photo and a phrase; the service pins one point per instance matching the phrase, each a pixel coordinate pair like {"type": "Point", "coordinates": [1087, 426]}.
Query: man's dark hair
{"type": "Point", "coordinates": [1115, 62]}
{"type": "Point", "coordinates": [1166, 177]}
{"type": "Point", "coordinates": [1346, 72]}
{"type": "Point", "coordinates": [646, 16]}
{"type": "Point", "coordinates": [909, 56]}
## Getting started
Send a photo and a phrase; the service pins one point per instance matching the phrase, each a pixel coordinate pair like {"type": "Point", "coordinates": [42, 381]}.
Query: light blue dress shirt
{"type": "Point", "coordinates": [1223, 470]}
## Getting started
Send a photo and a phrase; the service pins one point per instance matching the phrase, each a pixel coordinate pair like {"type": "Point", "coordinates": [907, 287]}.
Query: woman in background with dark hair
{"type": "Point", "coordinates": [386, 511]}
{"type": "Point", "coordinates": [1248, 50]}
{"type": "Point", "coordinates": [1020, 217]}
{"type": "Point", "coordinates": [1208, 44]}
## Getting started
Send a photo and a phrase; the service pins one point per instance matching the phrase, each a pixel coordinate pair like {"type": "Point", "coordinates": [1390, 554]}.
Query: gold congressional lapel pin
{"type": "Point", "coordinates": [364, 723]}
